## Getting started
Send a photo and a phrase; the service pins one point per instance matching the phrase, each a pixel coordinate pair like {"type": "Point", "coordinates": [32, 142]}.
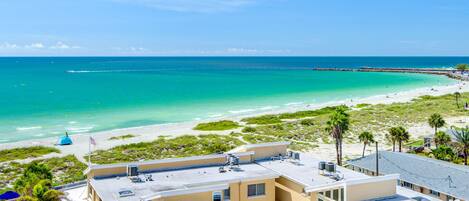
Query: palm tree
{"type": "Point", "coordinates": [35, 184]}
{"type": "Point", "coordinates": [462, 136]}
{"type": "Point", "coordinates": [337, 125]}
{"type": "Point", "coordinates": [457, 95]}
{"type": "Point", "coordinates": [436, 121]}
{"type": "Point", "coordinates": [462, 67]}
{"type": "Point", "coordinates": [441, 138]}
{"type": "Point", "coordinates": [398, 134]}
{"type": "Point", "coordinates": [391, 137]}
{"type": "Point", "coordinates": [366, 138]}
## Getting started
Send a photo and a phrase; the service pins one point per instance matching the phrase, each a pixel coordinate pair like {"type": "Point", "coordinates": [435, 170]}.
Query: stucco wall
{"type": "Point", "coordinates": [287, 190]}
{"type": "Point", "coordinates": [267, 151]}
{"type": "Point", "coordinates": [205, 196]}
{"type": "Point", "coordinates": [238, 192]}
{"type": "Point", "coordinates": [371, 190]}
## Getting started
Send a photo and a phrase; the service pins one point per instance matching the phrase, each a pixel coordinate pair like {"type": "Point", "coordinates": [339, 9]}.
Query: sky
{"type": "Point", "coordinates": [234, 28]}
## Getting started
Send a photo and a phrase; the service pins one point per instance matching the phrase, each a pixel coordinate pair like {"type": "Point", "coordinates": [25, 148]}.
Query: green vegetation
{"type": "Point", "coordinates": [362, 105]}
{"type": "Point", "coordinates": [337, 125]}
{"type": "Point", "coordinates": [217, 126]}
{"type": "Point", "coordinates": [183, 146]}
{"type": "Point", "coordinates": [248, 129]}
{"type": "Point", "coordinates": [415, 143]}
{"type": "Point", "coordinates": [462, 67]}
{"type": "Point", "coordinates": [264, 119]}
{"type": "Point", "coordinates": [122, 137]}
{"type": "Point", "coordinates": [441, 138]}
{"type": "Point", "coordinates": [65, 169]}
{"type": "Point", "coordinates": [36, 184]}
{"type": "Point", "coordinates": [366, 138]}
{"type": "Point", "coordinates": [307, 113]}
{"type": "Point", "coordinates": [436, 121]}
{"type": "Point", "coordinates": [24, 153]}
{"type": "Point", "coordinates": [398, 134]}
{"type": "Point", "coordinates": [445, 153]}
{"type": "Point", "coordinates": [307, 122]}
{"type": "Point", "coordinates": [462, 137]}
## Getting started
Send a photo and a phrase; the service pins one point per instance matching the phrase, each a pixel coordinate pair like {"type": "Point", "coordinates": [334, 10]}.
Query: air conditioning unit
{"type": "Point", "coordinates": [322, 165]}
{"type": "Point", "coordinates": [330, 167]}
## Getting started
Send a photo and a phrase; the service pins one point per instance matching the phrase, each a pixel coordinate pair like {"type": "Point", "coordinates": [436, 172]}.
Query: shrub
{"type": "Point", "coordinates": [248, 129]}
{"type": "Point", "coordinates": [122, 137]}
{"type": "Point", "coordinates": [264, 119]}
{"type": "Point", "coordinates": [307, 122]}
{"type": "Point", "coordinates": [26, 152]}
{"type": "Point", "coordinates": [217, 126]}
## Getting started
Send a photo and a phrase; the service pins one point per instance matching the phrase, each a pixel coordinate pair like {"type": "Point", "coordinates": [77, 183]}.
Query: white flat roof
{"type": "Point", "coordinates": [306, 173]}
{"type": "Point", "coordinates": [184, 181]}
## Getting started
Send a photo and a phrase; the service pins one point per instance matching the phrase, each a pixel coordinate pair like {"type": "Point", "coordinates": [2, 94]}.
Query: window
{"type": "Point", "coordinates": [435, 193]}
{"type": "Point", "coordinates": [407, 185]}
{"type": "Point", "coordinates": [226, 194]}
{"type": "Point", "coordinates": [450, 198]}
{"type": "Point", "coordinates": [328, 194]}
{"type": "Point", "coordinates": [335, 194]}
{"type": "Point", "coordinates": [256, 190]}
{"type": "Point", "coordinates": [216, 196]}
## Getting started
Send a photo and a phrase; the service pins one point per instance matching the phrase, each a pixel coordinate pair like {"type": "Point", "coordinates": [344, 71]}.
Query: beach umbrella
{"type": "Point", "coordinates": [65, 140]}
{"type": "Point", "coordinates": [9, 195]}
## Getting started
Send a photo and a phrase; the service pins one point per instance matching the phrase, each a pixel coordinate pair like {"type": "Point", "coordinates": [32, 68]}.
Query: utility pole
{"type": "Point", "coordinates": [377, 158]}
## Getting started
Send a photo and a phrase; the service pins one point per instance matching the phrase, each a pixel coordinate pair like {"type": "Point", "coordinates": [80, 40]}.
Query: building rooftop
{"type": "Point", "coordinates": [434, 174]}
{"type": "Point", "coordinates": [175, 182]}
{"type": "Point", "coordinates": [305, 172]}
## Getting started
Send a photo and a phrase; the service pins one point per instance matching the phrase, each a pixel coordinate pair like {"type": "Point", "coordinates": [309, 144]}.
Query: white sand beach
{"type": "Point", "coordinates": [148, 133]}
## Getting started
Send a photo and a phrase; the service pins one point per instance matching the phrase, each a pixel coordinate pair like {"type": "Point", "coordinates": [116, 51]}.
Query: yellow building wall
{"type": "Point", "coordinates": [205, 196]}
{"type": "Point", "coordinates": [268, 151]}
{"type": "Point", "coordinates": [287, 190]}
{"type": "Point", "coordinates": [163, 165]}
{"type": "Point", "coordinates": [238, 192]}
{"type": "Point", "coordinates": [269, 191]}
{"type": "Point", "coordinates": [371, 190]}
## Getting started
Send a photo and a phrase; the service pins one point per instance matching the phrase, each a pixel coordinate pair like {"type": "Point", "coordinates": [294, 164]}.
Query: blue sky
{"type": "Point", "coordinates": [234, 27]}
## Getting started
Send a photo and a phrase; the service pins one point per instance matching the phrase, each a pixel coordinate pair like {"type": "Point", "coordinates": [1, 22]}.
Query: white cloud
{"type": "Point", "coordinates": [34, 46]}
{"type": "Point", "coordinates": [202, 6]}
{"type": "Point", "coordinates": [194, 52]}
{"type": "Point", "coordinates": [244, 51]}
{"type": "Point", "coordinates": [63, 46]}
{"type": "Point", "coordinates": [8, 46]}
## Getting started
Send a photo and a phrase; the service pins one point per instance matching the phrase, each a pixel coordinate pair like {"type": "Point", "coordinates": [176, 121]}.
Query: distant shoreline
{"type": "Point", "coordinates": [450, 73]}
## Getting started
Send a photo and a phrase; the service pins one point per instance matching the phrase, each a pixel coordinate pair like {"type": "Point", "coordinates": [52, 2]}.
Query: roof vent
{"type": "Point", "coordinates": [126, 193]}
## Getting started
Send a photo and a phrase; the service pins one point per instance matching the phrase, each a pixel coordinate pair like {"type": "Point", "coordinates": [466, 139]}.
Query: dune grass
{"type": "Point", "coordinates": [26, 152]}
{"type": "Point", "coordinates": [122, 137]}
{"type": "Point", "coordinates": [65, 169]}
{"type": "Point", "coordinates": [182, 146]}
{"type": "Point", "coordinates": [264, 119]}
{"type": "Point", "coordinates": [309, 126]}
{"type": "Point", "coordinates": [217, 126]}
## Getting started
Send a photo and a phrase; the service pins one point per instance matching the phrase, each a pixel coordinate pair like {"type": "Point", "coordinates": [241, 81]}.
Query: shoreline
{"type": "Point", "coordinates": [151, 132]}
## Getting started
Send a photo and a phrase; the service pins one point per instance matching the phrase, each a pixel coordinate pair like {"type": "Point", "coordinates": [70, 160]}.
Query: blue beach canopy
{"type": "Point", "coordinates": [9, 195]}
{"type": "Point", "coordinates": [65, 140]}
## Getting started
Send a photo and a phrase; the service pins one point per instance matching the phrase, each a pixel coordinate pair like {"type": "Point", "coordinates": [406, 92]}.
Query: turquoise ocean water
{"type": "Point", "coordinates": [43, 97]}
